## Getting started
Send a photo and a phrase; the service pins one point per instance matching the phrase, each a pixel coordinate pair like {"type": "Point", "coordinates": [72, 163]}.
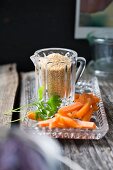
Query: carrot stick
{"type": "Point", "coordinates": [86, 125]}
{"type": "Point", "coordinates": [69, 115]}
{"type": "Point", "coordinates": [56, 125]}
{"type": "Point", "coordinates": [66, 109]}
{"type": "Point", "coordinates": [83, 98]}
{"type": "Point", "coordinates": [95, 99]}
{"type": "Point", "coordinates": [95, 107]}
{"type": "Point", "coordinates": [87, 117]}
{"type": "Point", "coordinates": [74, 114]}
{"type": "Point", "coordinates": [45, 123]}
{"type": "Point", "coordinates": [68, 122]}
{"type": "Point", "coordinates": [76, 97]}
{"type": "Point", "coordinates": [65, 122]}
{"type": "Point", "coordinates": [81, 113]}
{"type": "Point", "coordinates": [31, 115]}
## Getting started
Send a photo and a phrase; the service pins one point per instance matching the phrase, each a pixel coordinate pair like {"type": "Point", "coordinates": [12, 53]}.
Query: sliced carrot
{"type": "Point", "coordinates": [74, 114]}
{"type": "Point", "coordinates": [45, 123]}
{"type": "Point", "coordinates": [86, 125]}
{"type": "Point", "coordinates": [65, 122]}
{"type": "Point", "coordinates": [31, 115]}
{"type": "Point", "coordinates": [67, 109]}
{"type": "Point", "coordinates": [69, 115]}
{"type": "Point", "coordinates": [56, 125]}
{"type": "Point", "coordinates": [83, 111]}
{"type": "Point", "coordinates": [68, 122]}
{"type": "Point", "coordinates": [77, 95]}
{"type": "Point", "coordinates": [87, 117]}
{"type": "Point", "coordinates": [83, 98]}
{"type": "Point", "coordinates": [94, 98]}
{"type": "Point", "coordinates": [95, 107]}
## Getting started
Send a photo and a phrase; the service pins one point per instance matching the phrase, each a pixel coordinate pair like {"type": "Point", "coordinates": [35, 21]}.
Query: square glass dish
{"type": "Point", "coordinates": [99, 117]}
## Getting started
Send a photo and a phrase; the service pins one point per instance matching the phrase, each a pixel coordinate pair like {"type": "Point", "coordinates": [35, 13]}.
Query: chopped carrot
{"type": "Point", "coordinates": [87, 117]}
{"type": "Point", "coordinates": [70, 115]}
{"type": "Point", "coordinates": [44, 123]}
{"type": "Point", "coordinates": [56, 125]}
{"type": "Point", "coordinates": [76, 115]}
{"type": "Point", "coordinates": [95, 107]}
{"type": "Point", "coordinates": [94, 98]}
{"type": "Point", "coordinates": [86, 125]}
{"type": "Point", "coordinates": [68, 122]}
{"type": "Point", "coordinates": [82, 98]}
{"type": "Point", "coordinates": [60, 121]}
{"type": "Point", "coordinates": [31, 115]}
{"type": "Point", "coordinates": [83, 111]}
{"type": "Point", "coordinates": [77, 95]}
{"type": "Point", "coordinates": [66, 109]}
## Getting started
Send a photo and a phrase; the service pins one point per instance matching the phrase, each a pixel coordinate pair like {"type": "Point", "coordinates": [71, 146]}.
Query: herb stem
{"type": "Point", "coordinates": [19, 108]}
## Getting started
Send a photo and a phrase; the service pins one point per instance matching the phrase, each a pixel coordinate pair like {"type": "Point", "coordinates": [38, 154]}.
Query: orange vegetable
{"type": "Point", "coordinates": [95, 107]}
{"type": "Point", "coordinates": [66, 109]}
{"type": "Point", "coordinates": [76, 96]}
{"type": "Point", "coordinates": [82, 98]}
{"type": "Point", "coordinates": [31, 115]}
{"type": "Point", "coordinates": [76, 115]}
{"type": "Point", "coordinates": [68, 122]}
{"type": "Point", "coordinates": [65, 122]}
{"type": "Point", "coordinates": [70, 115]}
{"type": "Point", "coordinates": [86, 125]}
{"type": "Point", "coordinates": [45, 123]}
{"type": "Point", "coordinates": [95, 99]}
{"type": "Point", "coordinates": [56, 124]}
{"type": "Point", "coordinates": [87, 116]}
{"type": "Point", "coordinates": [83, 111]}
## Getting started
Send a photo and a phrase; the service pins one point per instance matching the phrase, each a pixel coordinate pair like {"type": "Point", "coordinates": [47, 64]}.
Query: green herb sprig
{"type": "Point", "coordinates": [44, 110]}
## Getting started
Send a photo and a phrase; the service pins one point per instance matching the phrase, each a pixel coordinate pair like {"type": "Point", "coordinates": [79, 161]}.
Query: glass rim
{"type": "Point", "coordinates": [74, 53]}
{"type": "Point", "coordinates": [100, 37]}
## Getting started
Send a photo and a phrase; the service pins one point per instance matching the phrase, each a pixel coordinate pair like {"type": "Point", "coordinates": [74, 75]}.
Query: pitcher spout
{"type": "Point", "coordinates": [34, 59]}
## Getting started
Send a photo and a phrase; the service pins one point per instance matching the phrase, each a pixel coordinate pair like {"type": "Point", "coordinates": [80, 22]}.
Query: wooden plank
{"type": "Point", "coordinates": [27, 91]}
{"type": "Point", "coordinates": [8, 87]}
{"type": "Point", "coordinates": [89, 154]}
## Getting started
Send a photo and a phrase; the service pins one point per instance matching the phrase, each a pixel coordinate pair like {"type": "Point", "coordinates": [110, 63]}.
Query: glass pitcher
{"type": "Point", "coordinates": [56, 71]}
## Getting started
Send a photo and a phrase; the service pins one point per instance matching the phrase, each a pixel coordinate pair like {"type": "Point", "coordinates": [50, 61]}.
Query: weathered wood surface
{"type": "Point", "coordinates": [89, 154]}
{"type": "Point", "coordinates": [27, 91]}
{"type": "Point", "coordinates": [8, 87]}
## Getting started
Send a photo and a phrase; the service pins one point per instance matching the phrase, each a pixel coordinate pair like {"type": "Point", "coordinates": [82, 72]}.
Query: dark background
{"type": "Point", "coordinates": [29, 25]}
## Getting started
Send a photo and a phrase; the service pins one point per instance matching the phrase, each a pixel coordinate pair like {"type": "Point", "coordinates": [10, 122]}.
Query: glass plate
{"type": "Point", "coordinates": [99, 118]}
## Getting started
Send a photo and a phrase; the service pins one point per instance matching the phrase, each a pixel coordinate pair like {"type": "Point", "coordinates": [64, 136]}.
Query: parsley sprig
{"type": "Point", "coordinates": [46, 110]}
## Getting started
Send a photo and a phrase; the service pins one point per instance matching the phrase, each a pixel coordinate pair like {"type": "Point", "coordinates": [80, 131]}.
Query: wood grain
{"type": "Point", "coordinates": [8, 87]}
{"type": "Point", "coordinates": [27, 91]}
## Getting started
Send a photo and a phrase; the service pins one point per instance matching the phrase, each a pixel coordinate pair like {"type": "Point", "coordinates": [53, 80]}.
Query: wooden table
{"type": "Point", "coordinates": [89, 154]}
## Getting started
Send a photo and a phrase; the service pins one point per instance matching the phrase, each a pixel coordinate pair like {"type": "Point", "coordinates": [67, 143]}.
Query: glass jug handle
{"type": "Point", "coordinates": [81, 68]}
